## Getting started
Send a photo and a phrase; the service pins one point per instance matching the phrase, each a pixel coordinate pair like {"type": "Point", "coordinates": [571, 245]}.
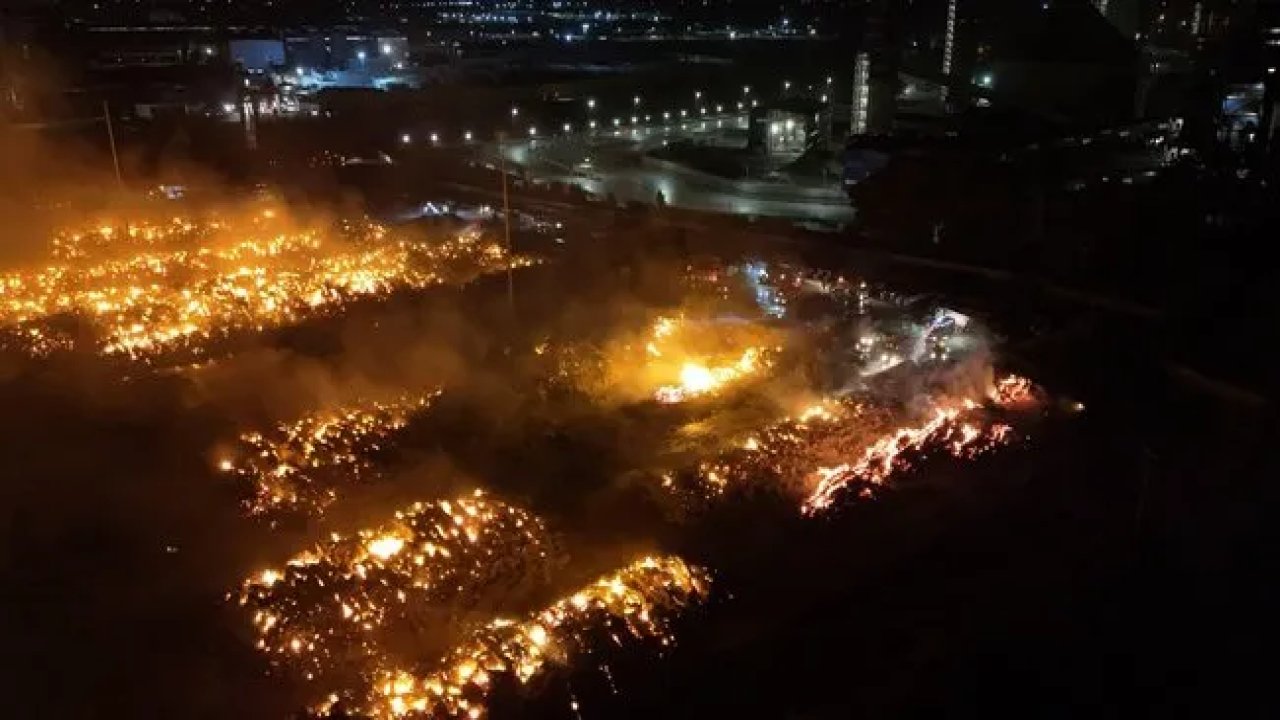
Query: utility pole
{"type": "Point", "coordinates": [506, 221]}
{"type": "Point", "coordinates": [111, 138]}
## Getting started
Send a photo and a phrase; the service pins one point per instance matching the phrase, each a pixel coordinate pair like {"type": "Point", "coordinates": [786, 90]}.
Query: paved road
{"type": "Point", "coordinates": [613, 161]}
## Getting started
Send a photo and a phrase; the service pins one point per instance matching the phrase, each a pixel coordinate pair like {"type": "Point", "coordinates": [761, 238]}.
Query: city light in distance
{"type": "Point", "coordinates": [617, 122]}
{"type": "Point", "coordinates": [467, 136]}
{"type": "Point", "coordinates": [533, 131]}
{"type": "Point", "coordinates": [567, 127]}
{"type": "Point", "coordinates": [746, 89]}
{"type": "Point", "coordinates": [635, 100]}
{"type": "Point", "coordinates": [406, 138]}
{"type": "Point", "coordinates": [515, 111]}
{"type": "Point", "coordinates": [435, 138]}
{"type": "Point", "coordinates": [591, 103]}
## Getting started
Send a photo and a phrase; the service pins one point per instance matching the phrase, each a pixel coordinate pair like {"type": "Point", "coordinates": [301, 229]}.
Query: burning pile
{"type": "Point", "coordinates": [333, 612]}
{"type": "Point", "coordinates": [637, 602]}
{"type": "Point", "coordinates": [1012, 390]}
{"type": "Point", "coordinates": [898, 450]}
{"type": "Point", "coordinates": [780, 454]}
{"type": "Point", "coordinates": [145, 289]}
{"type": "Point", "coordinates": [298, 466]}
{"type": "Point", "coordinates": [673, 360]}
{"type": "Point", "coordinates": [809, 454]}
{"type": "Point", "coordinates": [673, 343]}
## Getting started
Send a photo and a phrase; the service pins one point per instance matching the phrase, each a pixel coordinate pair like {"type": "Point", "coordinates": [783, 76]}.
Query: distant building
{"type": "Point", "coordinates": [1269, 14]}
{"type": "Point", "coordinates": [256, 54]}
{"type": "Point", "coordinates": [861, 94]}
{"type": "Point", "coordinates": [786, 127]}
{"type": "Point", "coordinates": [884, 58]}
{"type": "Point", "coordinates": [335, 50]}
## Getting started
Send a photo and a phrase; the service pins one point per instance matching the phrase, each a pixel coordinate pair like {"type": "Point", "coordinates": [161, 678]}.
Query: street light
{"type": "Point", "coordinates": [684, 113]}
{"type": "Point", "coordinates": [592, 124]}
{"type": "Point", "coordinates": [719, 108]}
{"type": "Point", "coordinates": [746, 89]}
{"type": "Point", "coordinates": [634, 119]}
{"type": "Point", "coordinates": [533, 131]}
{"type": "Point", "coordinates": [739, 104]}
{"type": "Point", "coordinates": [666, 115]}
{"type": "Point", "coordinates": [824, 98]}
{"type": "Point", "coordinates": [616, 122]}
{"type": "Point", "coordinates": [786, 84]}
{"type": "Point", "coordinates": [828, 79]}
{"type": "Point", "coordinates": [435, 138]}
{"type": "Point", "coordinates": [406, 138]}
{"type": "Point", "coordinates": [567, 127]}
{"type": "Point", "coordinates": [697, 94]}
{"type": "Point", "coordinates": [636, 101]}
{"type": "Point", "coordinates": [467, 136]}
{"type": "Point", "coordinates": [361, 55]}
{"type": "Point", "coordinates": [515, 111]}
{"type": "Point", "coordinates": [591, 103]}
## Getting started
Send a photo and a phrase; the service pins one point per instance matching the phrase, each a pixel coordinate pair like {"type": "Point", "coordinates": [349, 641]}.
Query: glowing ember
{"type": "Point", "coordinates": [809, 455]}
{"type": "Point", "coordinates": [297, 466]}
{"type": "Point", "coordinates": [1012, 390]}
{"type": "Point", "coordinates": [332, 611]}
{"type": "Point", "coordinates": [896, 451]}
{"type": "Point", "coordinates": [696, 377]}
{"type": "Point", "coordinates": [778, 454]}
{"type": "Point", "coordinates": [954, 428]}
{"type": "Point", "coordinates": [639, 601]}
{"type": "Point", "coordinates": [146, 289]}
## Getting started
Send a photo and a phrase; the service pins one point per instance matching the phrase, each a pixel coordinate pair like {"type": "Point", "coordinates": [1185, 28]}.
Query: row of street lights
{"type": "Point", "coordinates": [636, 101]}
{"type": "Point", "coordinates": [567, 128]}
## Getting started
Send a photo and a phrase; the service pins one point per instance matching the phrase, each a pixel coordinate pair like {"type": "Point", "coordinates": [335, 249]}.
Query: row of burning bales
{"type": "Point", "coordinates": [154, 289]}
{"type": "Point", "coordinates": [336, 614]}
{"type": "Point", "coordinates": [333, 613]}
